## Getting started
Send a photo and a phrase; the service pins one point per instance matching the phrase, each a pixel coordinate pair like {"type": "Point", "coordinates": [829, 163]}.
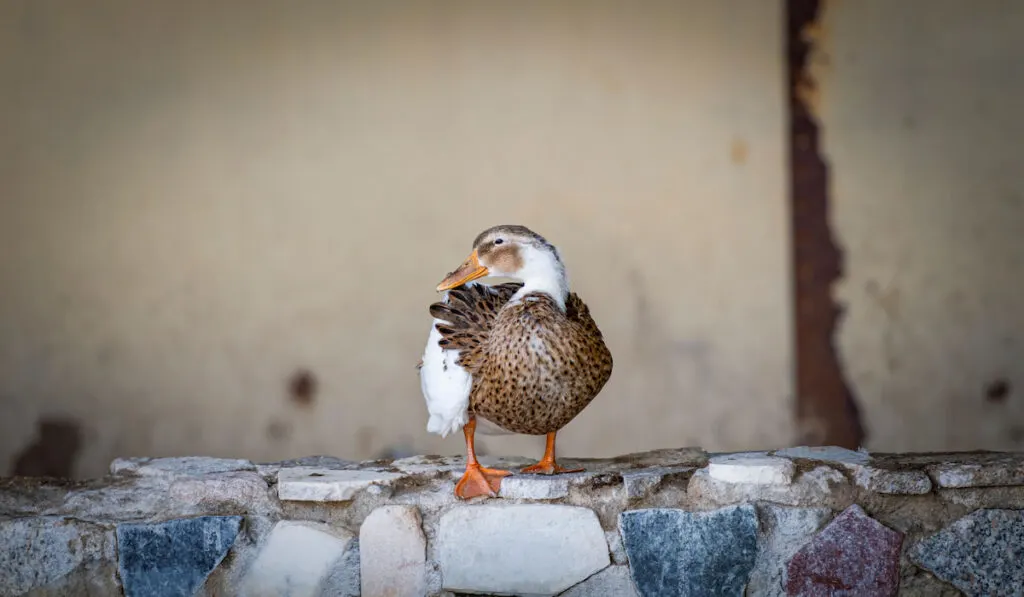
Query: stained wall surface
{"type": "Point", "coordinates": [201, 200]}
{"type": "Point", "coordinates": [920, 104]}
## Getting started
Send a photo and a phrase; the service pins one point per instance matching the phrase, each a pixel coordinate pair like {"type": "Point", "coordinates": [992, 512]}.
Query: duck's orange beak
{"type": "Point", "coordinates": [471, 269]}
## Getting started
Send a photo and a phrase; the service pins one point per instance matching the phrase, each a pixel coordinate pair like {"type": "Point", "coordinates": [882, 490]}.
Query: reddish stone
{"type": "Point", "coordinates": [854, 555]}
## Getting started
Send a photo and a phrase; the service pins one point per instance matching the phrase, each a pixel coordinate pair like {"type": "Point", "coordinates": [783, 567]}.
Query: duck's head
{"type": "Point", "coordinates": [515, 252]}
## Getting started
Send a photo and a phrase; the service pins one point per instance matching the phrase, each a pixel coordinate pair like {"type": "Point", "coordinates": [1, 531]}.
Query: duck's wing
{"type": "Point", "coordinates": [590, 344]}
{"type": "Point", "coordinates": [576, 310]}
{"type": "Point", "coordinates": [454, 351]}
{"type": "Point", "coordinates": [465, 320]}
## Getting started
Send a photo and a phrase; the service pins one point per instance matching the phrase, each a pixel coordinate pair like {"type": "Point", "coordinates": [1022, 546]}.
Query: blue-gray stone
{"type": "Point", "coordinates": [173, 558]}
{"type": "Point", "coordinates": [674, 552]}
{"type": "Point", "coordinates": [980, 554]}
{"type": "Point", "coordinates": [53, 555]}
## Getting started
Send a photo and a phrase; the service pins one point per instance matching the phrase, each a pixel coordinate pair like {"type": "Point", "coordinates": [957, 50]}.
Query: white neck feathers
{"type": "Point", "coordinates": [542, 271]}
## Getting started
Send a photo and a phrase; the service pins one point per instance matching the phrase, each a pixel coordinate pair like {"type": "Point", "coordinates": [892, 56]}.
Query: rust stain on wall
{"type": "Point", "coordinates": [826, 409]}
{"type": "Point", "coordinates": [302, 387]}
{"type": "Point", "coordinates": [738, 152]}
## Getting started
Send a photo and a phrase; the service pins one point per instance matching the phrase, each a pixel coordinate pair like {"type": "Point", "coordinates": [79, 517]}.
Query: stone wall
{"type": "Point", "coordinates": [801, 521]}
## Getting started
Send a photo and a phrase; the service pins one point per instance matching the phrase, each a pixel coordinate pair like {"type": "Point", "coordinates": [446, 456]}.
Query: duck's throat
{"type": "Point", "coordinates": [544, 274]}
{"type": "Point", "coordinates": [557, 292]}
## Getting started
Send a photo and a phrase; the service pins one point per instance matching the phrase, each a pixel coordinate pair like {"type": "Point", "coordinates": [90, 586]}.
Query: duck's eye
{"type": "Point", "coordinates": [498, 241]}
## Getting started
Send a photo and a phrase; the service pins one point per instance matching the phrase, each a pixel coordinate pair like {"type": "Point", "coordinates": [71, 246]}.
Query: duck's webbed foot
{"type": "Point", "coordinates": [477, 480]}
{"type": "Point", "coordinates": [547, 464]}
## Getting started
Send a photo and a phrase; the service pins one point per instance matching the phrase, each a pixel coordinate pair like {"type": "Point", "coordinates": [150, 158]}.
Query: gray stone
{"type": "Point", "coordinates": [826, 454]}
{"type": "Point", "coordinates": [154, 498]}
{"type": "Point", "coordinates": [392, 553]}
{"type": "Point", "coordinates": [854, 556]}
{"type": "Point", "coordinates": [613, 581]}
{"type": "Point", "coordinates": [980, 554]}
{"type": "Point", "coordinates": [534, 487]}
{"type": "Point", "coordinates": [269, 470]}
{"type": "Point", "coordinates": [307, 484]}
{"type": "Point", "coordinates": [343, 579]}
{"type": "Point", "coordinates": [670, 458]}
{"type": "Point", "coordinates": [173, 558]}
{"type": "Point", "coordinates": [688, 459]}
{"type": "Point", "coordinates": [674, 552]}
{"type": "Point", "coordinates": [615, 548]}
{"type": "Point", "coordinates": [640, 482]}
{"type": "Point", "coordinates": [178, 466]}
{"type": "Point", "coordinates": [752, 468]}
{"type": "Point", "coordinates": [520, 549]}
{"type": "Point", "coordinates": [123, 499]}
{"type": "Point", "coordinates": [784, 530]}
{"type": "Point", "coordinates": [416, 465]}
{"type": "Point", "coordinates": [56, 556]}
{"type": "Point", "coordinates": [809, 489]}
{"type": "Point", "coordinates": [434, 582]}
{"type": "Point", "coordinates": [296, 560]}
{"type": "Point", "coordinates": [240, 492]}
{"type": "Point", "coordinates": [28, 496]}
{"type": "Point", "coordinates": [892, 482]}
{"type": "Point", "coordinates": [509, 463]}
{"type": "Point", "coordinates": [878, 479]}
{"type": "Point", "coordinates": [918, 582]}
{"type": "Point", "coordinates": [990, 472]}
{"type": "Point", "coordinates": [229, 576]}
{"type": "Point", "coordinates": [980, 498]}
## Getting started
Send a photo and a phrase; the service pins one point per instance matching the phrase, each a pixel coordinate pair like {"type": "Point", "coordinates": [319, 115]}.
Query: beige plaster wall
{"type": "Point", "coordinates": [921, 102]}
{"type": "Point", "coordinates": [200, 199]}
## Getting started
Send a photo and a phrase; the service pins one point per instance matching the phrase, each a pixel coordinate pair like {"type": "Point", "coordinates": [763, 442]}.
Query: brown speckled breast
{"type": "Point", "coordinates": [540, 367]}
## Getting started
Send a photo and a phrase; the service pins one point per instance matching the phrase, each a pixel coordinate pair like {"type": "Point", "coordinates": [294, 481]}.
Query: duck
{"type": "Point", "coordinates": [520, 357]}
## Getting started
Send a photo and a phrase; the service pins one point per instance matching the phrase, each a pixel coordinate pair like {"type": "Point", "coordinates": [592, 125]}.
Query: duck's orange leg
{"type": "Point", "coordinates": [477, 480]}
{"type": "Point", "coordinates": [547, 464]}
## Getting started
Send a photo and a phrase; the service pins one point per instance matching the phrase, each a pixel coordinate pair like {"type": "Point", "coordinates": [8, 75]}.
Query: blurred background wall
{"type": "Point", "coordinates": [921, 111]}
{"type": "Point", "coordinates": [221, 223]}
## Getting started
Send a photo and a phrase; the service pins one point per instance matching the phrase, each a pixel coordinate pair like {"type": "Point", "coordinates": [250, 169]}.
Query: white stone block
{"type": "Point", "coordinates": [309, 484]}
{"type": "Point", "coordinates": [522, 549]}
{"type": "Point", "coordinates": [751, 469]}
{"type": "Point", "coordinates": [534, 487]}
{"type": "Point", "coordinates": [296, 560]}
{"type": "Point", "coordinates": [393, 553]}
